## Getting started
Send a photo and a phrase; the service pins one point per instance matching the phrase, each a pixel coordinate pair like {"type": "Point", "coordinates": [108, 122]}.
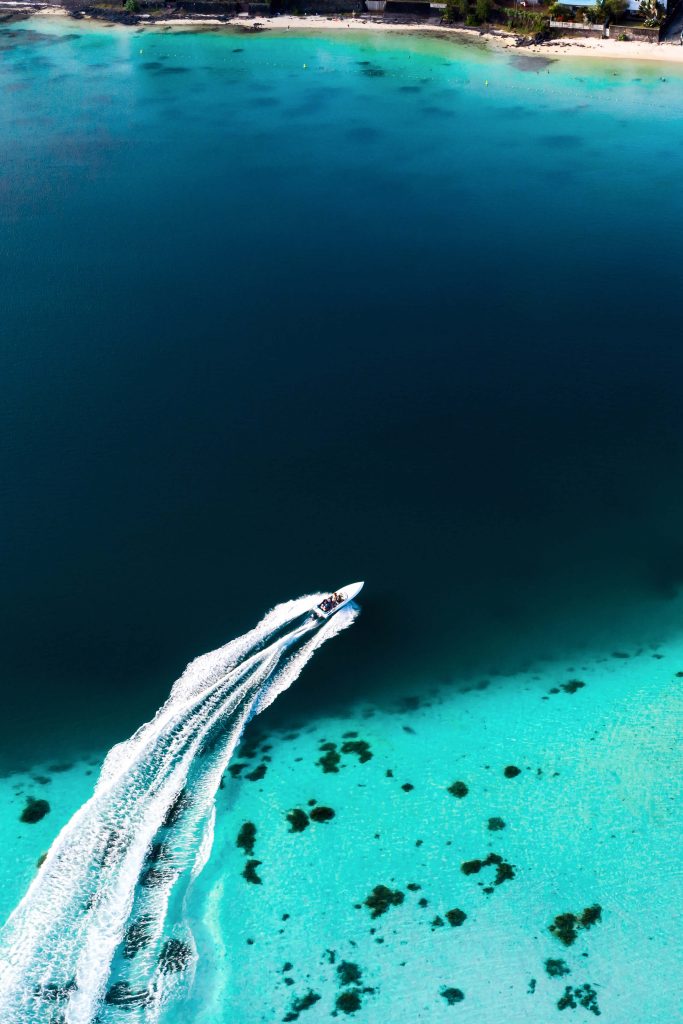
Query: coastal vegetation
{"type": "Point", "coordinates": [535, 22]}
{"type": "Point", "coordinates": [482, 12]}
{"type": "Point", "coordinates": [467, 12]}
{"type": "Point", "coordinates": [603, 12]}
{"type": "Point", "coordinates": [524, 20]}
{"type": "Point", "coordinates": [561, 12]}
{"type": "Point", "coordinates": [651, 12]}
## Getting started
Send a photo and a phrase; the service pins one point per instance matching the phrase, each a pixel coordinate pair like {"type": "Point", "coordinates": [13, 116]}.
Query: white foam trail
{"type": "Point", "coordinates": [103, 879]}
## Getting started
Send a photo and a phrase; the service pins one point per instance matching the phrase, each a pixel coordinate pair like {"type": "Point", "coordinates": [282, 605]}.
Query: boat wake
{"type": "Point", "coordinates": [100, 936]}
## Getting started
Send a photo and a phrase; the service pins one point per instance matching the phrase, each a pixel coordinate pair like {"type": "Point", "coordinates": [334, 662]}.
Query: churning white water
{"type": "Point", "coordinates": [100, 934]}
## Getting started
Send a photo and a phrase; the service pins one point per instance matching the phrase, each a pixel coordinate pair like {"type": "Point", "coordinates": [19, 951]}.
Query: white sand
{"type": "Point", "coordinates": [567, 46]}
{"type": "Point", "coordinates": [564, 47]}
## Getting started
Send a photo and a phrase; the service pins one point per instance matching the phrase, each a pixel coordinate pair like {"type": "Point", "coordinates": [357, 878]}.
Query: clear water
{"type": "Point", "coordinates": [283, 311]}
{"type": "Point", "coordinates": [103, 930]}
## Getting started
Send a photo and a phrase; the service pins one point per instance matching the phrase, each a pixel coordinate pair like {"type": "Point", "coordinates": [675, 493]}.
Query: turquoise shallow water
{"type": "Point", "coordinates": [405, 313]}
{"type": "Point", "coordinates": [590, 819]}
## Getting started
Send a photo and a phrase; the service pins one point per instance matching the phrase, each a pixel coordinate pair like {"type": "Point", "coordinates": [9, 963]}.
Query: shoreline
{"type": "Point", "coordinates": [493, 39]}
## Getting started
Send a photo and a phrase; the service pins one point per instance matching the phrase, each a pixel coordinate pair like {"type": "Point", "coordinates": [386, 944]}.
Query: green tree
{"type": "Point", "coordinates": [457, 10]}
{"type": "Point", "coordinates": [603, 12]}
{"type": "Point", "coordinates": [561, 12]}
{"type": "Point", "coordinates": [651, 12]}
{"type": "Point", "coordinates": [523, 20]}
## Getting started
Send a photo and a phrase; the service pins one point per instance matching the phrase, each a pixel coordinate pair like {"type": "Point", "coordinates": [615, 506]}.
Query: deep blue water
{"type": "Point", "coordinates": [409, 314]}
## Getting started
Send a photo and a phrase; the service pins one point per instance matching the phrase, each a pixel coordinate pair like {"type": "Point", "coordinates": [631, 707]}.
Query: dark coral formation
{"type": "Point", "coordinates": [348, 1002]}
{"type": "Point", "coordinates": [496, 824]}
{"type": "Point", "coordinates": [566, 926]}
{"type": "Point", "coordinates": [157, 852]}
{"type": "Point", "coordinates": [511, 771]}
{"type": "Point", "coordinates": [153, 877]}
{"type": "Point", "coordinates": [174, 956]}
{"type": "Point", "coordinates": [381, 898]}
{"type": "Point", "coordinates": [458, 789]}
{"type": "Point", "coordinates": [54, 993]}
{"type": "Point", "coordinates": [298, 820]}
{"type": "Point", "coordinates": [246, 837]}
{"type": "Point", "coordinates": [137, 936]}
{"type": "Point", "coordinates": [250, 872]}
{"type": "Point", "coordinates": [452, 995]}
{"type": "Point", "coordinates": [556, 968]}
{"type": "Point", "coordinates": [407, 786]}
{"type": "Point", "coordinates": [257, 773]}
{"type": "Point", "coordinates": [359, 747]}
{"type": "Point", "coordinates": [301, 1003]}
{"type": "Point", "coordinates": [322, 814]}
{"type": "Point", "coordinates": [121, 994]}
{"type": "Point", "coordinates": [571, 687]}
{"type": "Point", "coordinates": [175, 811]}
{"type": "Point", "coordinates": [349, 976]}
{"type": "Point", "coordinates": [456, 917]}
{"type": "Point", "coordinates": [348, 973]}
{"type": "Point", "coordinates": [504, 871]}
{"type": "Point", "coordinates": [591, 915]}
{"type": "Point", "coordinates": [329, 762]}
{"type": "Point", "coordinates": [34, 811]}
{"type": "Point", "coordinates": [585, 996]}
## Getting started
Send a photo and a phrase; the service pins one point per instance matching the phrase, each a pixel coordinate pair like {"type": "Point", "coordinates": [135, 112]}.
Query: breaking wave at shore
{"type": "Point", "coordinates": [101, 929]}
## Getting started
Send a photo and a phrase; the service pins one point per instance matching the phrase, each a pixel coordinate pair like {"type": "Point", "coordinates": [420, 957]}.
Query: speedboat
{"type": "Point", "coordinates": [333, 602]}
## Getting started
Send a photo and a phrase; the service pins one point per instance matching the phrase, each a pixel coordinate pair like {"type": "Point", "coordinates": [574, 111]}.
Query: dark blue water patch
{"type": "Point", "coordinates": [409, 88]}
{"type": "Point", "coordinates": [563, 141]}
{"type": "Point", "coordinates": [173, 69]}
{"type": "Point", "coordinates": [363, 134]}
{"type": "Point", "coordinates": [351, 370]}
{"type": "Point", "coordinates": [11, 38]}
{"type": "Point", "coordinates": [519, 111]}
{"type": "Point", "coordinates": [432, 110]}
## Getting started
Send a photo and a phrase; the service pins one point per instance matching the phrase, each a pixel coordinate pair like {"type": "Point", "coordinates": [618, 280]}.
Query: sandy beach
{"type": "Point", "coordinates": [603, 49]}
{"type": "Point", "coordinates": [497, 39]}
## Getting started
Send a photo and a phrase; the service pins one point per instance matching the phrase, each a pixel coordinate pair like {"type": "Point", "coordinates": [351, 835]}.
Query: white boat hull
{"type": "Point", "coordinates": [333, 602]}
